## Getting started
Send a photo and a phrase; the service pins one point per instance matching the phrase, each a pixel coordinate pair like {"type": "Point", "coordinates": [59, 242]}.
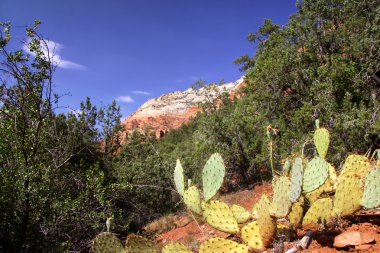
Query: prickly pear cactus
{"type": "Point", "coordinates": [348, 195]}
{"type": "Point", "coordinates": [241, 215]}
{"type": "Point", "coordinates": [179, 178]}
{"type": "Point", "coordinates": [371, 195]}
{"type": "Point", "coordinates": [315, 195]}
{"type": "Point", "coordinates": [287, 166]}
{"type": "Point", "coordinates": [139, 244]}
{"type": "Point", "coordinates": [192, 199]}
{"type": "Point", "coordinates": [319, 212]}
{"type": "Point", "coordinates": [250, 234]}
{"type": "Point", "coordinates": [265, 222]}
{"type": "Point", "coordinates": [296, 214]}
{"type": "Point", "coordinates": [315, 174]}
{"type": "Point", "coordinates": [220, 245]}
{"type": "Point", "coordinates": [281, 202]}
{"type": "Point", "coordinates": [220, 216]}
{"type": "Point", "coordinates": [175, 248]}
{"type": "Point", "coordinates": [296, 180]}
{"type": "Point", "coordinates": [322, 141]}
{"type": "Point", "coordinates": [213, 175]}
{"type": "Point", "coordinates": [355, 165]}
{"type": "Point", "coordinates": [107, 242]}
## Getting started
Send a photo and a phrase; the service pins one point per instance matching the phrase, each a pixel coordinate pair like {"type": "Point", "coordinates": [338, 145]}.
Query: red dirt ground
{"type": "Point", "coordinates": [191, 233]}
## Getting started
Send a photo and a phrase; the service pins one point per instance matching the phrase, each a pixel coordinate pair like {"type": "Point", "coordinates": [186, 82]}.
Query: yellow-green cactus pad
{"type": "Point", "coordinates": [250, 234]}
{"type": "Point", "coordinates": [265, 222]}
{"type": "Point", "coordinates": [281, 202]}
{"type": "Point", "coordinates": [107, 242]}
{"type": "Point", "coordinates": [319, 212]}
{"type": "Point", "coordinates": [192, 199]}
{"type": "Point", "coordinates": [315, 174]}
{"type": "Point", "coordinates": [220, 216]}
{"type": "Point", "coordinates": [179, 178]}
{"type": "Point", "coordinates": [220, 245]}
{"type": "Point", "coordinates": [322, 141]}
{"type": "Point", "coordinates": [348, 195]}
{"type": "Point", "coordinates": [355, 165]}
{"type": "Point", "coordinates": [213, 175]}
{"type": "Point", "coordinates": [332, 174]}
{"type": "Point", "coordinates": [296, 180]}
{"type": "Point", "coordinates": [139, 244]}
{"type": "Point", "coordinates": [371, 195]}
{"type": "Point", "coordinates": [315, 195]}
{"type": "Point", "coordinates": [175, 248]}
{"type": "Point", "coordinates": [241, 215]}
{"type": "Point", "coordinates": [296, 214]}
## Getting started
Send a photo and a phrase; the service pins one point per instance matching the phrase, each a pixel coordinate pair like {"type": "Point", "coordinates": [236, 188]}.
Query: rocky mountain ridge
{"type": "Point", "coordinates": [172, 110]}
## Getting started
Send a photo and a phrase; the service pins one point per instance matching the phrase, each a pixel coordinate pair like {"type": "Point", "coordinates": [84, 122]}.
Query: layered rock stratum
{"type": "Point", "coordinates": [172, 110]}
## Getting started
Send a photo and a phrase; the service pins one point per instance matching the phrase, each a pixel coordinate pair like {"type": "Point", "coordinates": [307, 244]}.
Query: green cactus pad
{"type": "Point", "coordinates": [213, 175]}
{"type": "Point", "coordinates": [139, 244]}
{"type": "Point", "coordinates": [287, 166]}
{"type": "Point", "coordinates": [220, 245]}
{"type": "Point", "coordinates": [319, 212]}
{"type": "Point", "coordinates": [281, 202]}
{"type": "Point", "coordinates": [250, 234]}
{"type": "Point", "coordinates": [220, 216]}
{"type": "Point", "coordinates": [265, 222]}
{"type": "Point", "coordinates": [241, 215]}
{"type": "Point", "coordinates": [322, 141]}
{"type": "Point", "coordinates": [179, 178]}
{"type": "Point", "coordinates": [175, 248]}
{"type": "Point", "coordinates": [315, 195]}
{"type": "Point", "coordinates": [348, 194]}
{"type": "Point", "coordinates": [355, 165]}
{"type": "Point", "coordinates": [296, 214]}
{"type": "Point", "coordinates": [371, 195]}
{"type": "Point", "coordinates": [296, 180]}
{"type": "Point", "coordinates": [107, 242]}
{"type": "Point", "coordinates": [315, 174]}
{"type": "Point", "coordinates": [192, 199]}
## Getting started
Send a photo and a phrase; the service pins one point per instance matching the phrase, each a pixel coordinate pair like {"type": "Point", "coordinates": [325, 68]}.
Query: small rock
{"type": "Point", "coordinates": [353, 238]}
{"type": "Point", "coordinates": [365, 247]}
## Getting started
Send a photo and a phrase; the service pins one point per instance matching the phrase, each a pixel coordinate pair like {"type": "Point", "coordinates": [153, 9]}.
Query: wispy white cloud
{"type": "Point", "coordinates": [140, 92]}
{"type": "Point", "coordinates": [125, 99]}
{"type": "Point", "coordinates": [51, 50]}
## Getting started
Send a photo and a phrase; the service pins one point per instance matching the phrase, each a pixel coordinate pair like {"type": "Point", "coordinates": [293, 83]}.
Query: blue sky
{"type": "Point", "coordinates": [133, 50]}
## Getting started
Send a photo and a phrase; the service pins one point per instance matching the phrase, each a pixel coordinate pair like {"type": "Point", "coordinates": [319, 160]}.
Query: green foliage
{"type": "Point", "coordinates": [371, 195]}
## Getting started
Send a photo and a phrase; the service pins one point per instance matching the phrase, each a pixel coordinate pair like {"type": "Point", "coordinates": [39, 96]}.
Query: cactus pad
{"type": "Point", "coordinates": [213, 175]}
{"type": "Point", "coordinates": [322, 141]}
{"type": "Point", "coordinates": [241, 215]}
{"type": "Point", "coordinates": [175, 248]}
{"type": "Point", "coordinates": [348, 196]}
{"type": "Point", "coordinates": [192, 199]}
{"type": "Point", "coordinates": [179, 178]}
{"type": "Point", "coordinates": [319, 212]}
{"type": "Point", "coordinates": [139, 244]}
{"type": "Point", "coordinates": [220, 216]}
{"type": "Point", "coordinates": [315, 195]}
{"type": "Point", "coordinates": [287, 166]}
{"type": "Point", "coordinates": [220, 245]}
{"type": "Point", "coordinates": [315, 174]}
{"type": "Point", "coordinates": [265, 222]}
{"type": "Point", "coordinates": [250, 234]}
{"type": "Point", "coordinates": [355, 165]}
{"type": "Point", "coordinates": [296, 214]}
{"type": "Point", "coordinates": [281, 202]}
{"type": "Point", "coordinates": [371, 195]}
{"type": "Point", "coordinates": [107, 242]}
{"type": "Point", "coordinates": [296, 180]}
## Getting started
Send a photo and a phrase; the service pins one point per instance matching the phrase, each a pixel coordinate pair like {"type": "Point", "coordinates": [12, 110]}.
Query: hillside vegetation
{"type": "Point", "coordinates": [58, 187]}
